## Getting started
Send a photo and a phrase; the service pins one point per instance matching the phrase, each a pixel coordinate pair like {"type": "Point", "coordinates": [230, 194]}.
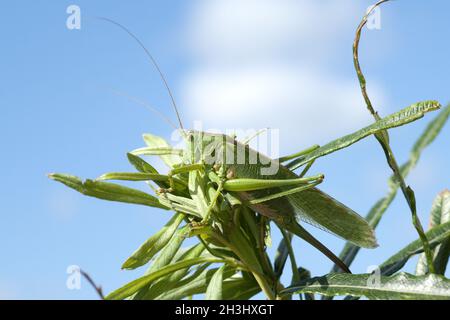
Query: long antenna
{"type": "Point", "coordinates": [153, 61]}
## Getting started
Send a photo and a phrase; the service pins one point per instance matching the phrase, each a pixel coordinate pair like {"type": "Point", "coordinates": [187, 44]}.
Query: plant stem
{"type": "Point", "coordinates": [383, 139]}
{"type": "Point", "coordinates": [261, 248]}
{"type": "Point", "coordinates": [287, 239]}
{"type": "Point", "coordinates": [262, 282]}
{"type": "Point", "coordinates": [265, 287]}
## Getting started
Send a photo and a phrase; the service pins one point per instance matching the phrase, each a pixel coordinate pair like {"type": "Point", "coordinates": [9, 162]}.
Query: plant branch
{"type": "Point", "coordinates": [97, 288]}
{"type": "Point", "coordinates": [383, 139]}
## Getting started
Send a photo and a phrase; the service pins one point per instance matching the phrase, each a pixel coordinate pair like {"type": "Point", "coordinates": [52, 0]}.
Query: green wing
{"type": "Point", "coordinates": [318, 208]}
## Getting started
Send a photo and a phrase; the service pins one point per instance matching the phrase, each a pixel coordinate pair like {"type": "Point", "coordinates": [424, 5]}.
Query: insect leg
{"type": "Point", "coordinates": [182, 169]}
{"type": "Point", "coordinates": [298, 154]}
{"type": "Point", "coordinates": [244, 184]}
{"type": "Point", "coordinates": [308, 166]}
{"type": "Point", "coordinates": [179, 204]}
{"type": "Point", "coordinates": [213, 203]}
{"type": "Point", "coordinates": [285, 193]}
{"type": "Point", "coordinates": [219, 180]}
{"type": "Point", "coordinates": [299, 231]}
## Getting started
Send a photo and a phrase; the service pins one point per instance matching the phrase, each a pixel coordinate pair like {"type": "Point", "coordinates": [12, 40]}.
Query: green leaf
{"type": "Point", "coordinates": [154, 244]}
{"type": "Point", "coordinates": [139, 176]}
{"type": "Point", "coordinates": [440, 211]}
{"type": "Point", "coordinates": [140, 164]}
{"type": "Point", "coordinates": [108, 191]}
{"type": "Point", "coordinates": [134, 286]}
{"type": "Point", "coordinates": [440, 214]}
{"type": "Point", "coordinates": [163, 152]}
{"type": "Point", "coordinates": [144, 167]}
{"type": "Point", "coordinates": [375, 214]}
{"type": "Point", "coordinates": [167, 256]}
{"type": "Point", "coordinates": [244, 249]}
{"type": "Point", "coordinates": [197, 283]}
{"type": "Point", "coordinates": [422, 266]}
{"type": "Point", "coordinates": [153, 141]}
{"type": "Point", "coordinates": [404, 116]}
{"type": "Point", "coordinates": [281, 257]}
{"type": "Point", "coordinates": [240, 288]}
{"type": "Point", "coordinates": [189, 286]}
{"type": "Point", "coordinates": [180, 204]}
{"type": "Point", "coordinates": [171, 280]}
{"type": "Point", "coordinates": [305, 275]}
{"type": "Point", "coordinates": [197, 190]}
{"type": "Point", "coordinates": [435, 236]}
{"type": "Point", "coordinates": [401, 286]}
{"type": "Point", "coordinates": [214, 290]}
{"type": "Point", "coordinates": [133, 176]}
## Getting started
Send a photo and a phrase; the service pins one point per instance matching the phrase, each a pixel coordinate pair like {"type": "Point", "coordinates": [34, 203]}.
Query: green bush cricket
{"type": "Point", "coordinates": [214, 173]}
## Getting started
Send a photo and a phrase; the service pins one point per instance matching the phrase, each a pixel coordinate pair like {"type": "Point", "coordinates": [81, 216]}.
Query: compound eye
{"type": "Point", "coordinates": [187, 132]}
{"type": "Point", "coordinates": [190, 136]}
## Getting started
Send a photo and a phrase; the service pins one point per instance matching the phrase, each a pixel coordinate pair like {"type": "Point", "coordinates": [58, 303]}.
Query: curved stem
{"type": "Point", "coordinates": [383, 139]}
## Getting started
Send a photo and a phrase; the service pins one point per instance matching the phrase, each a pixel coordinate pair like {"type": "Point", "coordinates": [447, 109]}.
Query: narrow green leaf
{"type": "Point", "coordinates": [441, 257]}
{"type": "Point", "coordinates": [440, 210]}
{"type": "Point", "coordinates": [163, 152]}
{"type": "Point", "coordinates": [189, 286]}
{"type": "Point", "coordinates": [171, 280]}
{"type": "Point", "coordinates": [440, 214]}
{"type": "Point", "coordinates": [375, 214]}
{"type": "Point", "coordinates": [422, 266]}
{"type": "Point", "coordinates": [404, 116]}
{"type": "Point", "coordinates": [240, 288]}
{"type": "Point", "coordinates": [305, 275]}
{"type": "Point", "coordinates": [133, 176]}
{"type": "Point", "coordinates": [134, 286]}
{"type": "Point", "coordinates": [168, 255]}
{"type": "Point", "coordinates": [144, 167]}
{"type": "Point", "coordinates": [108, 191]}
{"type": "Point", "coordinates": [139, 176]}
{"type": "Point", "coordinates": [180, 204]}
{"type": "Point", "coordinates": [195, 284]}
{"type": "Point", "coordinates": [244, 249]}
{"type": "Point", "coordinates": [214, 290]}
{"type": "Point", "coordinates": [281, 257]}
{"type": "Point", "coordinates": [69, 180]}
{"type": "Point", "coordinates": [435, 236]}
{"type": "Point", "coordinates": [400, 286]}
{"type": "Point", "coordinates": [140, 164]}
{"type": "Point", "coordinates": [197, 190]}
{"type": "Point", "coordinates": [169, 252]}
{"type": "Point", "coordinates": [153, 141]}
{"type": "Point", "coordinates": [154, 244]}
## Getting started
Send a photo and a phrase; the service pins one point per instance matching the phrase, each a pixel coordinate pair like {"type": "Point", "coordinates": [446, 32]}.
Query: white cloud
{"type": "Point", "coordinates": [248, 28]}
{"type": "Point", "coordinates": [263, 63]}
{"type": "Point", "coordinates": [302, 103]}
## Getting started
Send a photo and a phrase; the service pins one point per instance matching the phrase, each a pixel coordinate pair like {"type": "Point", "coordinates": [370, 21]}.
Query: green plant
{"type": "Point", "coordinates": [229, 207]}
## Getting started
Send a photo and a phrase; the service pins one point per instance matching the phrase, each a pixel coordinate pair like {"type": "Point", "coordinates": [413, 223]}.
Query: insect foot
{"type": "Point", "coordinates": [198, 228]}
{"type": "Point", "coordinates": [216, 167]}
{"type": "Point", "coordinates": [164, 190]}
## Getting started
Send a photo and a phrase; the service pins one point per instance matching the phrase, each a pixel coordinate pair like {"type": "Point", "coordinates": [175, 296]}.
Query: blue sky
{"type": "Point", "coordinates": [245, 64]}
